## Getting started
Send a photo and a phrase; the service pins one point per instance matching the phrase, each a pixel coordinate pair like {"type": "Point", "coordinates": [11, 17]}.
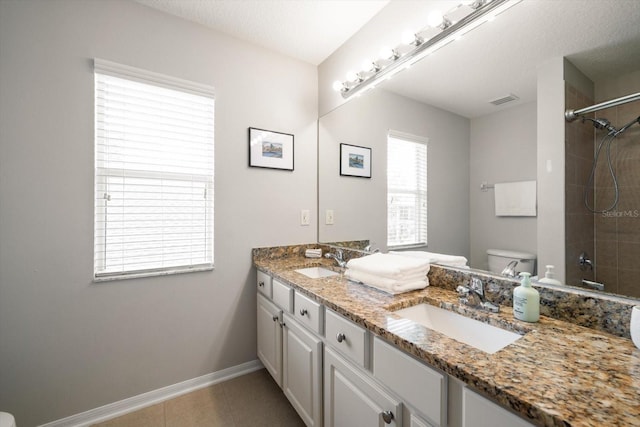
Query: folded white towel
{"type": "Point", "coordinates": [435, 258]}
{"type": "Point", "coordinates": [313, 253]}
{"type": "Point", "coordinates": [386, 282]}
{"type": "Point", "coordinates": [389, 265]}
{"type": "Point", "coordinates": [388, 285]}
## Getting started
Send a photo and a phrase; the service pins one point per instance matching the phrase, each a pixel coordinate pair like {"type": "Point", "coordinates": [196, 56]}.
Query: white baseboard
{"type": "Point", "coordinates": [140, 401]}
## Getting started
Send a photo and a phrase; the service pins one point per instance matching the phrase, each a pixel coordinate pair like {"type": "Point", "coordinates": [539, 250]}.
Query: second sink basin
{"type": "Point", "coordinates": [316, 272]}
{"type": "Point", "coordinates": [482, 336]}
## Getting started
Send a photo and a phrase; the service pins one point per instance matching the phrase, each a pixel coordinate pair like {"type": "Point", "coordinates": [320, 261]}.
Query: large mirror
{"type": "Point", "coordinates": [445, 101]}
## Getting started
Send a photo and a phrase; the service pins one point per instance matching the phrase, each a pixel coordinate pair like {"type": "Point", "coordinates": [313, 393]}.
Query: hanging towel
{"type": "Point", "coordinates": [515, 198]}
{"type": "Point", "coordinates": [389, 265]}
{"type": "Point", "coordinates": [435, 258]}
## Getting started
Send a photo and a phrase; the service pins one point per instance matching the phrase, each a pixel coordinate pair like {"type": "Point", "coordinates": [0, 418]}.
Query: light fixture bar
{"type": "Point", "coordinates": [467, 23]}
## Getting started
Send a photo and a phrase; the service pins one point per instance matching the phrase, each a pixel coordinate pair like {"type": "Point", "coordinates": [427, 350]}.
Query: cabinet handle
{"type": "Point", "coordinates": [261, 284]}
{"type": "Point", "coordinates": [303, 311]}
{"type": "Point", "coordinates": [276, 318]}
{"type": "Point", "coordinates": [341, 337]}
{"type": "Point", "coordinates": [282, 324]}
{"type": "Point", "coordinates": [387, 417]}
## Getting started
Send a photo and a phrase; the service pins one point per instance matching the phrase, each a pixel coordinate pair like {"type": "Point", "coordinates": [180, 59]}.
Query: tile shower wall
{"type": "Point", "coordinates": [579, 152]}
{"type": "Point", "coordinates": [617, 233]}
{"type": "Point", "coordinates": [612, 239]}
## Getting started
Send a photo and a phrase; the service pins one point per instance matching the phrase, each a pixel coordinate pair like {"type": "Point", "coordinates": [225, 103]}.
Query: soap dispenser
{"type": "Point", "coordinates": [549, 277]}
{"type": "Point", "coordinates": [526, 300]}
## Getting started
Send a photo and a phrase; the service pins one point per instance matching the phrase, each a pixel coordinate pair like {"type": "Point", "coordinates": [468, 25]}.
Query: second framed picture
{"type": "Point", "coordinates": [355, 161]}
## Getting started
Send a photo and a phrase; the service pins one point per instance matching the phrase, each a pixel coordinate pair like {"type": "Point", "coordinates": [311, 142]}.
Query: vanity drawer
{"type": "Point", "coordinates": [419, 385]}
{"type": "Point", "coordinates": [308, 312]}
{"type": "Point", "coordinates": [264, 283]}
{"type": "Point", "coordinates": [346, 337]}
{"type": "Point", "coordinates": [282, 295]}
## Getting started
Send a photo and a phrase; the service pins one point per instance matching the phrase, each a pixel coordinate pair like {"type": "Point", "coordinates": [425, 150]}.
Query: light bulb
{"type": "Point", "coordinates": [367, 65]}
{"type": "Point", "coordinates": [408, 37]}
{"type": "Point", "coordinates": [352, 76]}
{"type": "Point", "coordinates": [337, 85]}
{"type": "Point", "coordinates": [435, 19]}
{"type": "Point", "coordinates": [386, 52]}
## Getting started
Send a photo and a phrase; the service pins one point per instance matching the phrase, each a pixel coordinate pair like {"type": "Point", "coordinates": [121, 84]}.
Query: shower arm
{"type": "Point", "coordinates": [571, 115]}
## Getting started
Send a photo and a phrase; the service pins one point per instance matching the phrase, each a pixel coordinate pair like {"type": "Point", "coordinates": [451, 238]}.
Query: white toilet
{"type": "Point", "coordinates": [499, 259]}
{"type": "Point", "coordinates": [7, 420]}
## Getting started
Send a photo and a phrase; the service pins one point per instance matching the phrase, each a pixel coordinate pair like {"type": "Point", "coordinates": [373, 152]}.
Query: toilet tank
{"type": "Point", "coordinates": [500, 258]}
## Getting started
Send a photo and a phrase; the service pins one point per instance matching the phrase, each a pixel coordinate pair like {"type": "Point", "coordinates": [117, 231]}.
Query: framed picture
{"type": "Point", "coordinates": [272, 150]}
{"type": "Point", "coordinates": [355, 161]}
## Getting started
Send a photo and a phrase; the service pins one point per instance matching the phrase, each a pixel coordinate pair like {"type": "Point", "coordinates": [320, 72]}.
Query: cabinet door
{"type": "Point", "coordinates": [352, 399]}
{"type": "Point", "coordinates": [302, 371]}
{"type": "Point", "coordinates": [478, 411]}
{"type": "Point", "coordinates": [270, 337]}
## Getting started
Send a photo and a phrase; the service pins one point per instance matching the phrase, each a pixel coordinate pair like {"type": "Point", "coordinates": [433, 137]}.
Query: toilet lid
{"type": "Point", "coordinates": [511, 254]}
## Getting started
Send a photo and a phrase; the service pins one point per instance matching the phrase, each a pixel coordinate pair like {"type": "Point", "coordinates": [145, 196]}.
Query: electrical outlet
{"type": "Point", "coordinates": [304, 217]}
{"type": "Point", "coordinates": [328, 220]}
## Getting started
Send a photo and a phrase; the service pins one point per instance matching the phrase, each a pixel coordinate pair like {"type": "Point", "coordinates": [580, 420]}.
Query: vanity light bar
{"type": "Point", "coordinates": [385, 68]}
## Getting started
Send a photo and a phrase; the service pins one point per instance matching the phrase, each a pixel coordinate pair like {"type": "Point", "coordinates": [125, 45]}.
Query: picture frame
{"type": "Point", "coordinates": [270, 150]}
{"type": "Point", "coordinates": [355, 161]}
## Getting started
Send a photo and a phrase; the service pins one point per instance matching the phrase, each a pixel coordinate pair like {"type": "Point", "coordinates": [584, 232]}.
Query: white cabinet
{"type": "Point", "coordinates": [290, 352]}
{"type": "Point", "coordinates": [302, 371]}
{"type": "Point", "coordinates": [353, 399]}
{"type": "Point", "coordinates": [264, 283]}
{"type": "Point", "coordinates": [478, 411]}
{"type": "Point", "coordinates": [270, 337]}
{"type": "Point", "coordinates": [424, 388]}
{"type": "Point", "coordinates": [348, 338]}
{"type": "Point", "coordinates": [416, 421]}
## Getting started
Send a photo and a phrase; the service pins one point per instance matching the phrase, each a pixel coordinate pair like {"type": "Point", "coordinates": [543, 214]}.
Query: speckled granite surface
{"type": "Point", "coordinates": [557, 374]}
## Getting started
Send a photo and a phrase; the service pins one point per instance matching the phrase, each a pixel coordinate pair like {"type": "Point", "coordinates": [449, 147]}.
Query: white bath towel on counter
{"type": "Point", "coordinates": [435, 258]}
{"type": "Point", "coordinates": [389, 265]}
{"type": "Point", "coordinates": [388, 285]}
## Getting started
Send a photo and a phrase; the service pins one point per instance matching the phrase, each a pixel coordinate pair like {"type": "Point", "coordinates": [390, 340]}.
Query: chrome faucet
{"type": "Point", "coordinates": [473, 296]}
{"type": "Point", "coordinates": [338, 256]}
{"type": "Point", "coordinates": [510, 269]}
{"type": "Point", "coordinates": [371, 249]}
{"type": "Point", "coordinates": [585, 262]}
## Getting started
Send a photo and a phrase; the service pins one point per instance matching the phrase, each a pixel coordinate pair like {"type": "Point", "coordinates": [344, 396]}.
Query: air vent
{"type": "Point", "coordinates": [504, 99]}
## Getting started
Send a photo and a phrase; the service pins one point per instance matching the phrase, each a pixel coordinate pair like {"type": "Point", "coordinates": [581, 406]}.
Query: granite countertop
{"type": "Point", "coordinates": [557, 374]}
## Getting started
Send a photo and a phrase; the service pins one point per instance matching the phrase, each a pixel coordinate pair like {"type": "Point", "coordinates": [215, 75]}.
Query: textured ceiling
{"type": "Point", "coordinates": [309, 30]}
{"type": "Point", "coordinates": [600, 37]}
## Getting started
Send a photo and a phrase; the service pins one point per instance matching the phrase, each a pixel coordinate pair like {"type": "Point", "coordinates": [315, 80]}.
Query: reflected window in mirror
{"type": "Point", "coordinates": [406, 190]}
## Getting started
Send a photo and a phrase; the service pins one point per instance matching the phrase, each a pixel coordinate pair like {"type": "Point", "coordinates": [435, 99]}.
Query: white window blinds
{"type": "Point", "coordinates": [154, 169]}
{"type": "Point", "coordinates": [406, 190]}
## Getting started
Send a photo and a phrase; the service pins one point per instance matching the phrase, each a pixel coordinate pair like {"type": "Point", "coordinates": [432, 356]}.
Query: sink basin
{"type": "Point", "coordinates": [482, 336]}
{"type": "Point", "coordinates": [316, 272]}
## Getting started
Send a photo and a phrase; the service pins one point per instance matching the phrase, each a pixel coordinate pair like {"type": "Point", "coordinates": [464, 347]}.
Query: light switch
{"type": "Point", "coordinates": [329, 217]}
{"type": "Point", "coordinates": [304, 217]}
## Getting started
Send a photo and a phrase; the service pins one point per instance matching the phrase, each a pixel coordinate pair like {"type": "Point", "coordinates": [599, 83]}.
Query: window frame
{"type": "Point", "coordinates": [207, 179]}
{"type": "Point", "coordinates": [415, 139]}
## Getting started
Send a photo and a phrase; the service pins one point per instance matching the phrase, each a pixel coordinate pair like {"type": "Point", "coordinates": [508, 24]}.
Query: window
{"type": "Point", "coordinates": [153, 173]}
{"type": "Point", "coordinates": [406, 190]}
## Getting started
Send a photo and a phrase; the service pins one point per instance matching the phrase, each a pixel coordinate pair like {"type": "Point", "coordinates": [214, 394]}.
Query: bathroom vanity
{"type": "Point", "coordinates": [345, 357]}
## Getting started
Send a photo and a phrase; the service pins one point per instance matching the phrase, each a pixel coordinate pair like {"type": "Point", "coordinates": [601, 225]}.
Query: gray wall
{"type": "Point", "coordinates": [360, 205]}
{"type": "Point", "coordinates": [551, 161]}
{"type": "Point", "coordinates": [502, 149]}
{"type": "Point", "coordinates": [68, 345]}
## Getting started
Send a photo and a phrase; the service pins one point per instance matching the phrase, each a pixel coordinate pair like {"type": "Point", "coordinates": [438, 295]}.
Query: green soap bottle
{"type": "Point", "coordinates": [526, 300]}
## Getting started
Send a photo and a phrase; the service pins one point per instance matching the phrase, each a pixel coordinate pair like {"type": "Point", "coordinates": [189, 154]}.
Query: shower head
{"type": "Point", "coordinates": [628, 125]}
{"type": "Point", "coordinates": [601, 124]}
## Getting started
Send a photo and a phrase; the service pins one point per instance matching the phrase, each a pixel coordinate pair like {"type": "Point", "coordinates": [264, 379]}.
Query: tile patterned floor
{"type": "Point", "coordinates": [247, 401]}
